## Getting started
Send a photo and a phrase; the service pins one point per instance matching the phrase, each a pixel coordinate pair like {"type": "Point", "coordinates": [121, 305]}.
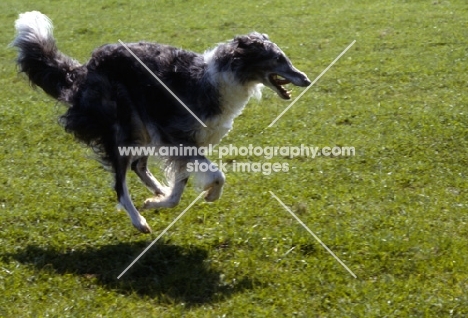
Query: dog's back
{"type": "Point", "coordinates": [113, 91]}
{"type": "Point", "coordinates": [183, 72]}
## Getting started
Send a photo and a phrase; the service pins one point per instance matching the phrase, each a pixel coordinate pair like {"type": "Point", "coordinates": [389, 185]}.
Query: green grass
{"type": "Point", "coordinates": [396, 213]}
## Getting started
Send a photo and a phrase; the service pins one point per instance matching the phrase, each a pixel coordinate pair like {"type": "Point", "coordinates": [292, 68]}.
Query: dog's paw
{"type": "Point", "coordinates": [213, 194]}
{"type": "Point", "coordinates": [142, 226]}
{"type": "Point", "coordinates": [159, 202]}
{"type": "Point", "coordinates": [212, 183]}
{"type": "Point", "coordinates": [152, 203]}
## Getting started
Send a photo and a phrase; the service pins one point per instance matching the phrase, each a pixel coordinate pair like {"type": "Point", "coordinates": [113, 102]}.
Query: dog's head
{"type": "Point", "coordinates": [255, 58]}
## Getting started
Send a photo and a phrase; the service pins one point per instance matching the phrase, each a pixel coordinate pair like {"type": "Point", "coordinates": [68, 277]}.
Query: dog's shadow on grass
{"type": "Point", "coordinates": [171, 273]}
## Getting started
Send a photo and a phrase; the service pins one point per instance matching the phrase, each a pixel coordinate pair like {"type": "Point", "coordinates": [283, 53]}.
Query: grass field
{"type": "Point", "coordinates": [396, 213]}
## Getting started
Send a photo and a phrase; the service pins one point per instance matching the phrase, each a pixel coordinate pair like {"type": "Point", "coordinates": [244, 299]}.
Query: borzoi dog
{"type": "Point", "coordinates": [113, 101]}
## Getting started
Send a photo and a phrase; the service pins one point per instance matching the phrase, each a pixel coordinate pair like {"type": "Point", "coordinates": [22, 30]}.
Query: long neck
{"type": "Point", "coordinates": [233, 96]}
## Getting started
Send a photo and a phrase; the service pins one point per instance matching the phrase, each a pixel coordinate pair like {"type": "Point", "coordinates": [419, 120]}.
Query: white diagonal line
{"type": "Point", "coordinates": [162, 233]}
{"type": "Point", "coordinates": [162, 83]}
{"type": "Point", "coordinates": [304, 91]}
{"type": "Point", "coordinates": [313, 234]}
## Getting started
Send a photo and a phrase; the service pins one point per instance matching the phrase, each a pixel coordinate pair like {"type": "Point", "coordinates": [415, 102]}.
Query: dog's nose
{"type": "Point", "coordinates": [305, 81]}
{"type": "Point", "coordinates": [298, 78]}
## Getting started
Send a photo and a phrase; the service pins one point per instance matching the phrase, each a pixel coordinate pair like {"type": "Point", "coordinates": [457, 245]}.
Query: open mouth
{"type": "Point", "coordinates": [278, 81]}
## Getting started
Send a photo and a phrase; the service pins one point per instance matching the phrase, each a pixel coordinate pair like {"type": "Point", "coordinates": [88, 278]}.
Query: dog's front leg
{"type": "Point", "coordinates": [177, 177]}
{"type": "Point", "coordinates": [208, 178]}
{"type": "Point", "coordinates": [140, 167]}
{"type": "Point", "coordinates": [170, 199]}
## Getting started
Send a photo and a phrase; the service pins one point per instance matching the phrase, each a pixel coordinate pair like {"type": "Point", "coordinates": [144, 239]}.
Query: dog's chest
{"type": "Point", "coordinates": [216, 129]}
{"type": "Point", "coordinates": [219, 125]}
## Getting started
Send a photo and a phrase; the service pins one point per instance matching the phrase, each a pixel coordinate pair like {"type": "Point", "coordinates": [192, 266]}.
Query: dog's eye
{"type": "Point", "coordinates": [279, 58]}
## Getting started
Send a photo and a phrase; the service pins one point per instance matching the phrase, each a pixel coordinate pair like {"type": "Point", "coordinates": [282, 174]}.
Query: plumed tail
{"type": "Point", "coordinates": [38, 55]}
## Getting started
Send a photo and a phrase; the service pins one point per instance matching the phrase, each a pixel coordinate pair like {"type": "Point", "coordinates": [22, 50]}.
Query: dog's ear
{"type": "Point", "coordinates": [259, 36]}
{"type": "Point", "coordinates": [251, 40]}
{"type": "Point", "coordinates": [243, 41]}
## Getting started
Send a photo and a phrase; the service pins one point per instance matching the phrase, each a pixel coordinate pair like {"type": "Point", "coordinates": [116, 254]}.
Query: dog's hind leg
{"type": "Point", "coordinates": [121, 166]}
{"type": "Point", "coordinates": [140, 167]}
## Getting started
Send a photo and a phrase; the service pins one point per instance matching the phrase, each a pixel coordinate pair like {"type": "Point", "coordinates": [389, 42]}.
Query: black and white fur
{"type": "Point", "coordinates": [113, 101]}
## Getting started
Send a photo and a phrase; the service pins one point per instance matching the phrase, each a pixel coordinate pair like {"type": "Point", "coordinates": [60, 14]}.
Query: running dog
{"type": "Point", "coordinates": [113, 101]}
